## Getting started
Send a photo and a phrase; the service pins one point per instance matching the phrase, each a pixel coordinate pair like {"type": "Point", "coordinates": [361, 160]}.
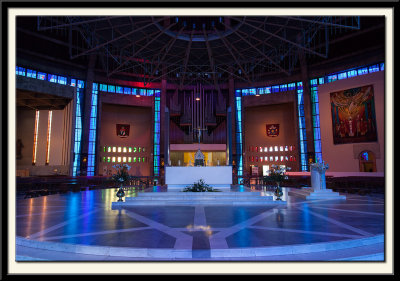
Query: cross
{"type": "Point", "coordinates": [199, 132]}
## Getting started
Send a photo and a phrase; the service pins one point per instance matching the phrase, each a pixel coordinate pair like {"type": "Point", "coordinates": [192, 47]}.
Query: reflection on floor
{"type": "Point", "coordinates": [61, 227]}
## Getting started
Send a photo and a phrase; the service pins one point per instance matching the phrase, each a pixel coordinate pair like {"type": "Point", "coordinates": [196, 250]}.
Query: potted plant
{"type": "Point", "coordinates": [199, 186]}
{"type": "Point", "coordinates": [277, 175]}
{"type": "Point", "coordinates": [120, 178]}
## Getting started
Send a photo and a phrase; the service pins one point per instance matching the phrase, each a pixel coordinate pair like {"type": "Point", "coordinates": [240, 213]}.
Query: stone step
{"type": "Point", "coordinates": [195, 202]}
{"type": "Point", "coordinates": [200, 198]}
{"type": "Point", "coordinates": [197, 196]}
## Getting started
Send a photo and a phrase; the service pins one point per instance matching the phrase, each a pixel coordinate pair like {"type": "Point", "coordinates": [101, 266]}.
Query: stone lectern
{"type": "Point", "coordinates": [318, 183]}
{"type": "Point", "coordinates": [318, 170]}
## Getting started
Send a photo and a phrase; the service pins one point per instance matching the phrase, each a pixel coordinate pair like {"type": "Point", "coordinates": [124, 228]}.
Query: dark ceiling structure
{"type": "Point", "coordinates": [187, 50]}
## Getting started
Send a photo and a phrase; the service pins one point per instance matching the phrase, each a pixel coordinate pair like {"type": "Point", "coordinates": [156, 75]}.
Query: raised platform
{"type": "Point", "coordinates": [81, 226]}
{"type": "Point", "coordinates": [197, 198]}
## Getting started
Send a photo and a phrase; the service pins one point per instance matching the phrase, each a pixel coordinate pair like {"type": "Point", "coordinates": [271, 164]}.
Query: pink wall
{"type": "Point", "coordinates": [344, 157]}
{"type": "Point", "coordinates": [140, 121]}
{"type": "Point", "coordinates": [255, 134]}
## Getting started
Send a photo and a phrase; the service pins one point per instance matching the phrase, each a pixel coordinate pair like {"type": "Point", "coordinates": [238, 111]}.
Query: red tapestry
{"type": "Point", "coordinates": [123, 130]}
{"type": "Point", "coordinates": [272, 130]}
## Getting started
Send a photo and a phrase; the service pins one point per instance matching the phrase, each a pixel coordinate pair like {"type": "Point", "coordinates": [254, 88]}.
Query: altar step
{"type": "Point", "coordinates": [197, 198]}
{"type": "Point", "coordinates": [310, 194]}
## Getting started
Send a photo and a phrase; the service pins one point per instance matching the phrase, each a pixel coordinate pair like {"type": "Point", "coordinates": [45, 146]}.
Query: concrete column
{"type": "Point", "coordinates": [232, 120]}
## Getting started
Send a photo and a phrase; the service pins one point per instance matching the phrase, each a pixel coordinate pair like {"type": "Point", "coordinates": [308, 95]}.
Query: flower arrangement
{"type": "Point", "coordinates": [277, 175]}
{"type": "Point", "coordinates": [199, 186]}
{"type": "Point", "coordinates": [122, 175]}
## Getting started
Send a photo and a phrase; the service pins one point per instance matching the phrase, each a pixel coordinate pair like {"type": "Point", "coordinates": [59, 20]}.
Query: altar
{"type": "Point", "coordinates": [219, 177]}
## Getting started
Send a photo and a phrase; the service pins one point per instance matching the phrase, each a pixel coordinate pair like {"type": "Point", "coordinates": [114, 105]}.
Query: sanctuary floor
{"type": "Point", "coordinates": [82, 226]}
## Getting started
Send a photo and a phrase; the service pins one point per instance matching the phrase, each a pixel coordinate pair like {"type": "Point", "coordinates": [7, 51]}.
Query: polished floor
{"type": "Point", "coordinates": [82, 226]}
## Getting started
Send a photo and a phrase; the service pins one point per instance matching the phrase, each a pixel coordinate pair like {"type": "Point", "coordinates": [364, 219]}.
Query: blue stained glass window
{"type": "Point", "coordinates": [73, 82]}
{"type": "Point", "coordinates": [283, 87]}
{"type": "Point", "coordinates": [351, 73]}
{"type": "Point", "coordinates": [41, 76]}
{"type": "Point", "coordinates": [92, 132]}
{"type": "Point", "coordinates": [111, 89]}
{"type": "Point", "coordinates": [316, 123]}
{"type": "Point", "coordinates": [239, 143]}
{"type": "Point", "coordinates": [20, 71]}
{"type": "Point", "coordinates": [292, 86]}
{"type": "Point", "coordinates": [52, 78]}
{"type": "Point", "coordinates": [342, 75]}
{"type": "Point", "coordinates": [373, 68]}
{"type": "Point", "coordinates": [332, 78]}
{"type": "Point", "coordinates": [62, 80]}
{"type": "Point", "coordinates": [267, 90]}
{"type": "Point", "coordinates": [382, 66]}
{"type": "Point", "coordinates": [127, 91]}
{"type": "Point", "coordinates": [78, 133]}
{"type": "Point", "coordinates": [150, 93]}
{"type": "Point", "coordinates": [156, 140]}
{"type": "Point", "coordinates": [362, 71]}
{"type": "Point", "coordinates": [321, 80]}
{"type": "Point", "coordinates": [103, 88]}
{"type": "Point", "coordinates": [275, 89]}
{"type": "Point", "coordinates": [81, 84]}
{"type": "Point", "coordinates": [302, 127]}
{"type": "Point", "coordinates": [30, 73]}
{"type": "Point", "coordinates": [119, 90]}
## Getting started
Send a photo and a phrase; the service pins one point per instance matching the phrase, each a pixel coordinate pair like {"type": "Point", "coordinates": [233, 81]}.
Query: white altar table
{"type": "Point", "coordinates": [219, 177]}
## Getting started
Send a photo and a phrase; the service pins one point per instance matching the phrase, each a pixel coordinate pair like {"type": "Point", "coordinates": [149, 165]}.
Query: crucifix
{"type": "Point", "coordinates": [199, 133]}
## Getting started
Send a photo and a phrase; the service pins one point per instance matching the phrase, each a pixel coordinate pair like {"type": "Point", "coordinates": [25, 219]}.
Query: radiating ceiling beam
{"type": "Point", "coordinates": [113, 40]}
{"type": "Point", "coordinates": [76, 23]}
{"type": "Point", "coordinates": [210, 57]}
{"type": "Point", "coordinates": [234, 57]}
{"type": "Point", "coordinates": [171, 43]}
{"type": "Point", "coordinates": [187, 54]}
{"type": "Point", "coordinates": [261, 53]}
{"type": "Point", "coordinates": [287, 41]}
{"type": "Point", "coordinates": [137, 52]}
{"type": "Point", "coordinates": [275, 24]}
{"type": "Point", "coordinates": [324, 22]}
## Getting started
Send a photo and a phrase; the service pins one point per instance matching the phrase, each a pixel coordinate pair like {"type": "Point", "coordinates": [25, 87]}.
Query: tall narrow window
{"type": "Point", "coordinates": [315, 120]}
{"type": "Point", "coordinates": [92, 132]}
{"type": "Point", "coordinates": [157, 116]}
{"type": "Point", "coordinates": [35, 136]}
{"type": "Point", "coordinates": [239, 142]}
{"type": "Point", "coordinates": [78, 130]}
{"type": "Point", "coordinates": [49, 118]}
{"type": "Point", "coordinates": [302, 127]}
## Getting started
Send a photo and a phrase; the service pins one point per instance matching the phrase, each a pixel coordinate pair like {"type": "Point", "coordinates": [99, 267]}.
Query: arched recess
{"type": "Point", "coordinates": [367, 161]}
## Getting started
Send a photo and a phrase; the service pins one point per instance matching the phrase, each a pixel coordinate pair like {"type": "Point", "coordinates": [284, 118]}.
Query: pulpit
{"type": "Point", "coordinates": [318, 183]}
